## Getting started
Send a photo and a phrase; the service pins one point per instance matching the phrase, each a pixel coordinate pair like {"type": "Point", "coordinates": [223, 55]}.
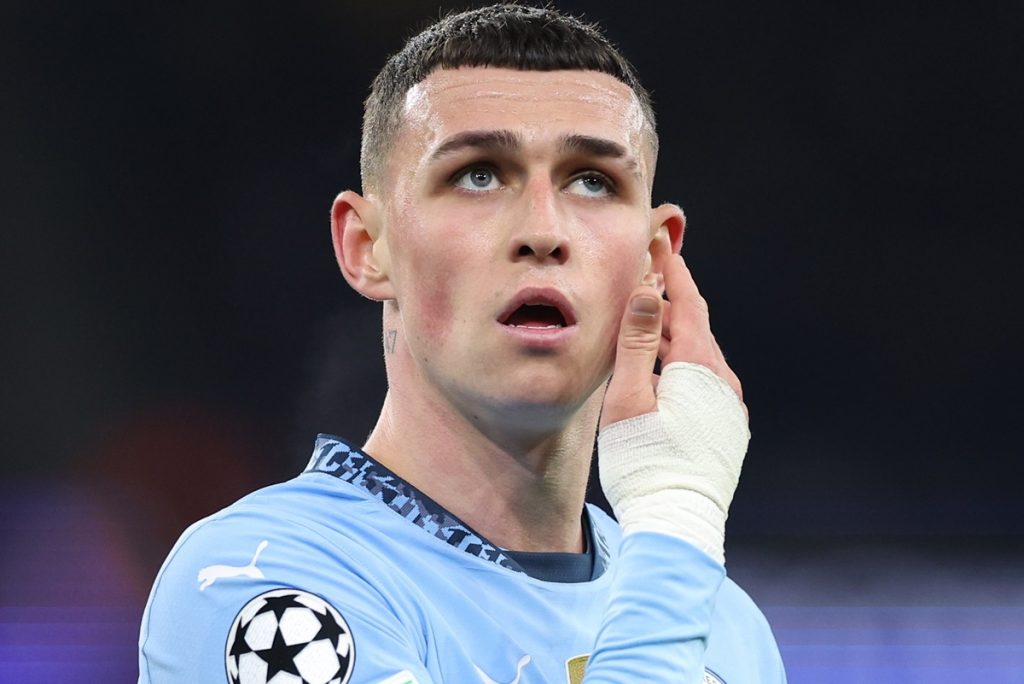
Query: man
{"type": "Point", "coordinates": [506, 225]}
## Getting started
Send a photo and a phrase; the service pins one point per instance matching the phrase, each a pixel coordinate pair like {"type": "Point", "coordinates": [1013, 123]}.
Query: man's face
{"type": "Point", "coordinates": [516, 218]}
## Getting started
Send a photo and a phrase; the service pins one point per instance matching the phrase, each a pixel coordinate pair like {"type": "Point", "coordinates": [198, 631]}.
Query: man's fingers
{"type": "Point", "coordinates": [664, 346]}
{"type": "Point", "coordinates": [724, 371]}
{"type": "Point", "coordinates": [631, 392]}
{"type": "Point", "coordinates": [666, 334]}
{"type": "Point", "coordinates": [689, 327]}
{"type": "Point", "coordinates": [679, 284]}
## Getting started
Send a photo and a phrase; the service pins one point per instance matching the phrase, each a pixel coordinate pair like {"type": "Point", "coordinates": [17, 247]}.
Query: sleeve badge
{"type": "Point", "coordinates": [289, 636]}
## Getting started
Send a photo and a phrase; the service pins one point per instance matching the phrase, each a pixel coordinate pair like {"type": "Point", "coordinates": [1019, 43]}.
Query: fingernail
{"type": "Point", "coordinates": [645, 305]}
{"type": "Point", "coordinates": [649, 280]}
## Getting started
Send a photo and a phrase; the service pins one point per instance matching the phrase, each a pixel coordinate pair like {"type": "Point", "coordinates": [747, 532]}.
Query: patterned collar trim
{"type": "Point", "coordinates": [335, 457]}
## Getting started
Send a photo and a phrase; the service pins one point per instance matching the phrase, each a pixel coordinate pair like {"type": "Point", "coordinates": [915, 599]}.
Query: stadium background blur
{"type": "Point", "coordinates": [176, 331]}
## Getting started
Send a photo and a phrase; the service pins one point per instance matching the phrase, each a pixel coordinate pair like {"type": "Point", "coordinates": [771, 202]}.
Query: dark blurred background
{"type": "Point", "coordinates": [176, 330]}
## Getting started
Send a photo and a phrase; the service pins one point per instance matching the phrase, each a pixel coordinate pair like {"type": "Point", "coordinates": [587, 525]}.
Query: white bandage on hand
{"type": "Point", "coordinates": [674, 471]}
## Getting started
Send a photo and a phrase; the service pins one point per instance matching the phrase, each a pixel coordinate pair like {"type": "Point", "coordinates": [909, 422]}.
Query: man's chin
{"type": "Point", "coordinates": [537, 409]}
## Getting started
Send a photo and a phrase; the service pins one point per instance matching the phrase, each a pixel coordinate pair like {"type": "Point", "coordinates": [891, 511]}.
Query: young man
{"type": "Point", "coordinates": [506, 225]}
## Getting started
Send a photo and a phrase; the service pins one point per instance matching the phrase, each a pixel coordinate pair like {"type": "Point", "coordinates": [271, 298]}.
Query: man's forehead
{"type": "Point", "coordinates": [535, 102]}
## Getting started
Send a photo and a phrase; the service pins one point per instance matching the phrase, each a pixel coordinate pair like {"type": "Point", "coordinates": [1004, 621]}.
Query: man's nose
{"type": "Point", "coordinates": [541, 234]}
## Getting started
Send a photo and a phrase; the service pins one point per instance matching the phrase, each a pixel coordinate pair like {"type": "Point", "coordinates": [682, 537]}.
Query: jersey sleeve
{"type": "Point", "coordinates": [671, 612]}
{"type": "Point", "coordinates": [742, 645]}
{"type": "Point", "coordinates": [658, 619]}
{"type": "Point", "coordinates": [241, 598]}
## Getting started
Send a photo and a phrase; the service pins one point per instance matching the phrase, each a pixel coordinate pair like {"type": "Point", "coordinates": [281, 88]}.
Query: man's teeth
{"type": "Point", "coordinates": [537, 327]}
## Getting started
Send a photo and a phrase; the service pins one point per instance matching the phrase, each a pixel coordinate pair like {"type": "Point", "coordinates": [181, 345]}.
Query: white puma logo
{"type": "Point", "coordinates": [212, 573]}
{"type": "Point", "coordinates": [519, 672]}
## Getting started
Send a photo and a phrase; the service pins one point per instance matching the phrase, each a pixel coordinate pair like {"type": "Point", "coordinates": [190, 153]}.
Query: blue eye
{"type": "Point", "coordinates": [591, 185]}
{"type": "Point", "coordinates": [477, 178]}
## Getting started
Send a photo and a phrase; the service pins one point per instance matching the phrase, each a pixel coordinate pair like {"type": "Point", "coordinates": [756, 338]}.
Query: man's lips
{"type": "Point", "coordinates": [538, 308]}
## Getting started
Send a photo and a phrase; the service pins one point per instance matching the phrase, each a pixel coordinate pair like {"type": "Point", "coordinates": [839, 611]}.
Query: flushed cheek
{"type": "Point", "coordinates": [445, 267]}
{"type": "Point", "coordinates": [435, 313]}
{"type": "Point", "coordinates": [429, 288]}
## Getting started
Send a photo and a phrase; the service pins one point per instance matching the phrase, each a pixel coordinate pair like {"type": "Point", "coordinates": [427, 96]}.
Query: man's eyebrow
{"type": "Point", "coordinates": [506, 141]}
{"type": "Point", "coordinates": [598, 147]}
{"type": "Point", "coordinates": [493, 141]}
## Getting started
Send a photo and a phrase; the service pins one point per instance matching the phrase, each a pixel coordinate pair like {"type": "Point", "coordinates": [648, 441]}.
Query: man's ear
{"type": "Point", "coordinates": [359, 246]}
{"type": "Point", "coordinates": [668, 223]}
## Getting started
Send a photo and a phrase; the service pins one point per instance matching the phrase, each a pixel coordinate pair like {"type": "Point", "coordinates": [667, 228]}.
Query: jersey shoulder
{"type": "Point", "coordinates": [261, 531]}
{"type": "Point", "coordinates": [273, 547]}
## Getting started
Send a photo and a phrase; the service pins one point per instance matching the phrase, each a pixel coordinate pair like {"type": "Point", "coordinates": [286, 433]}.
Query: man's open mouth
{"type": "Point", "coordinates": [538, 308]}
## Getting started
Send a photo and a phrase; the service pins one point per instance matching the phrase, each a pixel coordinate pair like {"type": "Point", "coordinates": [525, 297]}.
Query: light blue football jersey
{"type": "Point", "coordinates": [347, 573]}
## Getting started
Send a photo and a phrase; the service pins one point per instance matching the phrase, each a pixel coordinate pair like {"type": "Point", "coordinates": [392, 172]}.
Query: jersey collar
{"type": "Point", "coordinates": [336, 457]}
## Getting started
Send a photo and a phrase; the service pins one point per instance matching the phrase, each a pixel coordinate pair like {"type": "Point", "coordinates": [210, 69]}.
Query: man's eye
{"type": "Point", "coordinates": [477, 178]}
{"type": "Point", "coordinates": [591, 185]}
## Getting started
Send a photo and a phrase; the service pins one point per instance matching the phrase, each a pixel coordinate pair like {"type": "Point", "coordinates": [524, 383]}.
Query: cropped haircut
{"type": "Point", "coordinates": [504, 35]}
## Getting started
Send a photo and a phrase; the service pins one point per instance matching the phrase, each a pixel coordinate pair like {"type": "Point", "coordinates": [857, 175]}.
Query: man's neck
{"type": "Point", "coordinates": [524, 494]}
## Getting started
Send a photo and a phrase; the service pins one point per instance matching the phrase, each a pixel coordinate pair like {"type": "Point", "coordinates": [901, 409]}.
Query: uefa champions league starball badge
{"type": "Point", "coordinates": [289, 636]}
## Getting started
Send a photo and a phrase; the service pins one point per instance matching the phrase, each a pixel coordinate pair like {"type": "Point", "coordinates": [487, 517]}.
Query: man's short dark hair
{"type": "Point", "coordinates": [504, 35]}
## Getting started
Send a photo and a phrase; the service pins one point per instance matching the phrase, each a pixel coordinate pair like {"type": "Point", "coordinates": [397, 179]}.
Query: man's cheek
{"type": "Point", "coordinates": [432, 286]}
{"type": "Point", "coordinates": [437, 313]}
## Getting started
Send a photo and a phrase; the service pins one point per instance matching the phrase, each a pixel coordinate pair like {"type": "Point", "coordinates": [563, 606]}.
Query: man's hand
{"type": "Point", "coordinates": [676, 330]}
{"type": "Point", "coordinates": [671, 448]}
